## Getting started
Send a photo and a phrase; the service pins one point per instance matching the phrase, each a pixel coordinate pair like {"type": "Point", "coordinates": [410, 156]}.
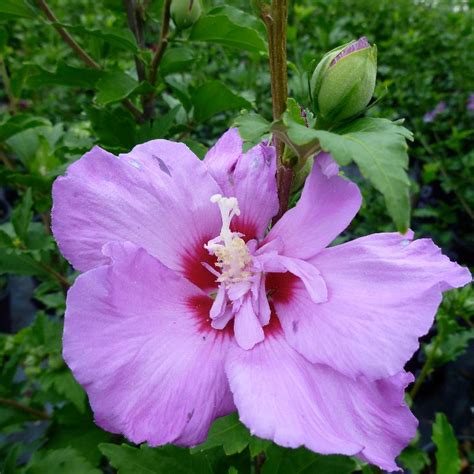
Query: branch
{"type": "Point", "coordinates": [136, 27]}
{"type": "Point", "coordinates": [6, 161]}
{"type": "Point", "coordinates": [24, 408]}
{"type": "Point", "coordinates": [275, 17]}
{"type": "Point", "coordinates": [66, 36]}
{"type": "Point", "coordinates": [86, 59]}
{"type": "Point", "coordinates": [162, 42]}
{"type": "Point", "coordinates": [426, 369]}
{"type": "Point", "coordinates": [8, 90]}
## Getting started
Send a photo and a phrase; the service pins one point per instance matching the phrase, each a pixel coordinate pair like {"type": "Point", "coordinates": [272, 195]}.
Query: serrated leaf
{"type": "Point", "coordinates": [258, 445]}
{"type": "Point", "coordinates": [20, 262]}
{"type": "Point", "coordinates": [60, 461]}
{"type": "Point", "coordinates": [114, 86]}
{"type": "Point", "coordinates": [221, 29]}
{"type": "Point", "coordinates": [65, 76]}
{"type": "Point", "coordinates": [16, 8]}
{"type": "Point", "coordinates": [10, 462]}
{"type": "Point", "coordinates": [144, 460]}
{"type": "Point", "coordinates": [160, 126]}
{"type": "Point", "coordinates": [114, 127]}
{"type": "Point", "coordinates": [377, 146]}
{"type": "Point", "coordinates": [19, 123]}
{"type": "Point", "coordinates": [65, 385]}
{"type": "Point", "coordinates": [447, 455]}
{"type": "Point", "coordinates": [253, 128]}
{"type": "Point", "coordinates": [22, 215]}
{"type": "Point", "coordinates": [176, 60]}
{"type": "Point", "coordinates": [227, 432]}
{"type": "Point", "coordinates": [118, 37]}
{"type": "Point", "coordinates": [3, 40]}
{"type": "Point", "coordinates": [414, 459]}
{"type": "Point", "coordinates": [214, 97]}
{"type": "Point", "coordinates": [301, 461]}
{"type": "Point", "coordinates": [74, 429]}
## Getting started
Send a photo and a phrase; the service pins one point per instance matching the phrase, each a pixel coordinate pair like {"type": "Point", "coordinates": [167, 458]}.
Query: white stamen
{"type": "Point", "coordinates": [232, 254]}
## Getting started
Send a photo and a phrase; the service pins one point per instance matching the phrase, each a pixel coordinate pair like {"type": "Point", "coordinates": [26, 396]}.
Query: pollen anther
{"type": "Point", "coordinates": [231, 251]}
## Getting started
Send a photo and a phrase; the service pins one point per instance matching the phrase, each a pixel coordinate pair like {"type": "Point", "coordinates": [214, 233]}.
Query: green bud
{"type": "Point", "coordinates": [185, 12]}
{"type": "Point", "coordinates": [344, 81]}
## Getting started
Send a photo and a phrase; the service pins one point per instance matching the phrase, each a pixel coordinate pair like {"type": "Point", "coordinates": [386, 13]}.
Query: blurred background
{"type": "Point", "coordinates": [55, 105]}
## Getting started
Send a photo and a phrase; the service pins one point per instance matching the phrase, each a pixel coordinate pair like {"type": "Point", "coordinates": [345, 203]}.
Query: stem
{"type": "Point", "coordinates": [275, 17]}
{"type": "Point", "coordinates": [66, 36]}
{"type": "Point", "coordinates": [86, 59]}
{"type": "Point", "coordinates": [24, 408]}
{"type": "Point", "coordinates": [259, 460]}
{"type": "Point", "coordinates": [162, 42]}
{"type": "Point", "coordinates": [136, 27]}
{"type": "Point", "coordinates": [460, 198]}
{"type": "Point", "coordinates": [136, 23]}
{"type": "Point", "coordinates": [64, 283]}
{"type": "Point", "coordinates": [428, 365]}
{"type": "Point", "coordinates": [6, 161]}
{"type": "Point", "coordinates": [8, 90]}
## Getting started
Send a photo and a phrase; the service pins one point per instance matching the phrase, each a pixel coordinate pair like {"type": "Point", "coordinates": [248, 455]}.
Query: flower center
{"type": "Point", "coordinates": [232, 253]}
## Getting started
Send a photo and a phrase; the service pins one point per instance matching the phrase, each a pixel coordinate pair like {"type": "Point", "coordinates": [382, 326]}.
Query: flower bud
{"type": "Point", "coordinates": [344, 81]}
{"type": "Point", "coordinates": [185, 12]}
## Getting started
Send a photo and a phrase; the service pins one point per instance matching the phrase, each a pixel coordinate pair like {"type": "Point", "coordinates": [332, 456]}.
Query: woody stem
{"type": "Point", "coordinates": [275, 17]}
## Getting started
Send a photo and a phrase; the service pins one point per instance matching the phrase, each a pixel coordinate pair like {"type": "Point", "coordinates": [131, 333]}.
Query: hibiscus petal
{"type": "Point", "coordinates": [250, 177]}
{"type": "Point", "coordinates": [148, 196]}
{"type": "Point", "coordinates": [281, 396]}
{"type": "Point", "coordinates": [309, 275]}
{"type": "Point", "coordinates": [326, 207]}
{"type": "Point", "coordinates": [328, 166]}
{"type": "Point", "coordinates": [383, 295]}
{"type": "Point", "coordinates": [222, 157]}
{"type": "Point", "coordinates": [137, 339]}
{"type": "Point", "coordinates": [247, 327]}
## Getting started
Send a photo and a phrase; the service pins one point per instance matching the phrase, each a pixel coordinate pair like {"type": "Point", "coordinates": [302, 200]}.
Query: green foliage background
{"type": "Point", "coordinates": [54, 108]}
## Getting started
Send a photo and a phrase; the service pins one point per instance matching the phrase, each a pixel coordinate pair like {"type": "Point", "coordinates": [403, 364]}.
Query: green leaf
{"type": "Point", "coordinates": [65, 385]}
{"type": "Point", "coordinates": [196, 147]}
{"type": "Point", "coordinates": [18, 123]}
{"type": "Point", "coordinates": [176, 60]}
{"type": "Point", "coordinates": [222, 29]}
{"type": "Point", "coordinates": [60, 461]}
{"type": "Point", "coordinates": [118, 37]}
{"type": "Point", "coordinates": [214, 97]}
{"type": "Point", "coordinates": [227, 432]}
{"type": "Point", "coordinates": [447, 455]}
{"type": "Point", "coordinates": [10, 463]}
{"type": "Point", "coordinates": [20, 262]}
{"type": "Point", "coordinates": [144, 460]}
{"type": "Point", "coordinates": [22, 215]}
{"type": "Point", "coordinates": [160, 126]}
{"type": "Point", "coordinates": [114, 86]}
{"type": "Point", "coordinates": [240, 17]}
{"type": "Point", "coordinates": [3, 40]}
{"type": "Point", "coordinates": [65, 76]}
{"type": "Point", "coordinates": [301, 461]}
{"type": "Point", "coordinates": [114, 127]}
{"type": "Point", "coordinates": [16, 8]}
{"type": "Point", "coordinates": [258, 445]}
{"type": "Point", "coordinates": [73, 429]}
{"type": "Point", "coordinates": [253, 128]}
{"type": "Point", "coordinates": [377, 146]}
{"type": "Point", "coordinates": [414, 459]}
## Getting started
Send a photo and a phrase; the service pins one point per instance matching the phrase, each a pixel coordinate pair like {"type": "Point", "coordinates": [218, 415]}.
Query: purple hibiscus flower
{"type": "Point", "coordinates": [431, 115]}
{"type": "Point", "coordinates": [470, 103]}
{"type": "Point", "coordinates": [188, 309]}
